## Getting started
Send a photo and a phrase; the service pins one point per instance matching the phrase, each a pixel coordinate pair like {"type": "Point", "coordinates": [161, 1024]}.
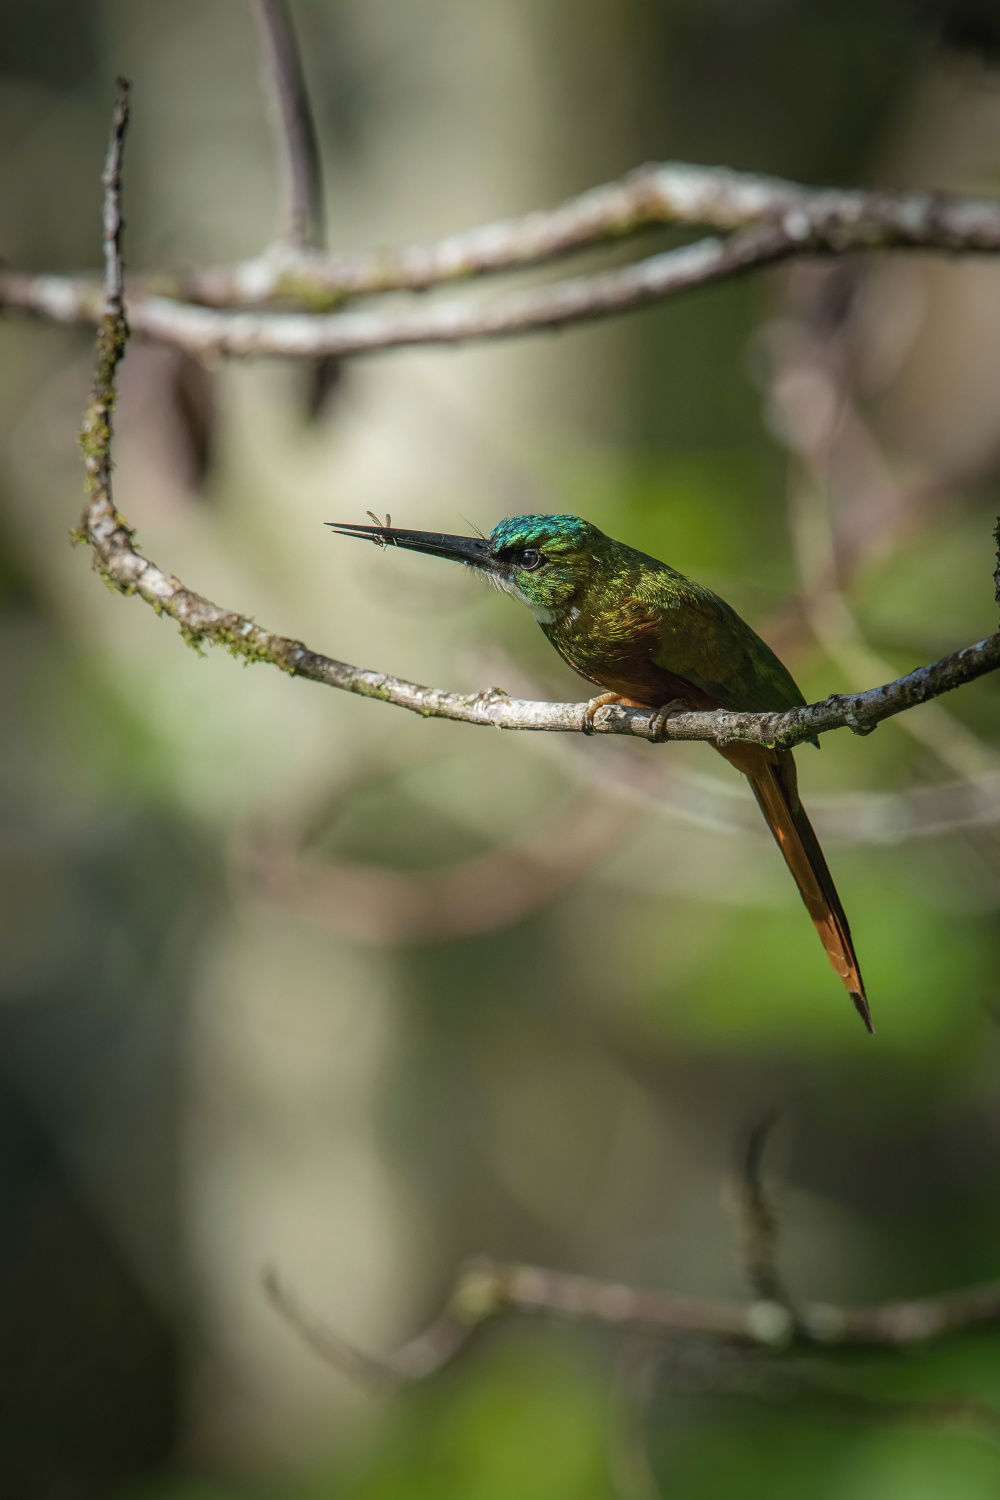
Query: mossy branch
{"type": "Point", "coordinates": [203, 623]}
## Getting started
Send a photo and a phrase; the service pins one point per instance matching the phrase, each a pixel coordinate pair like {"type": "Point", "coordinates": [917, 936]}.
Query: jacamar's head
{"type": "Point", "coordinates": [545, 561]}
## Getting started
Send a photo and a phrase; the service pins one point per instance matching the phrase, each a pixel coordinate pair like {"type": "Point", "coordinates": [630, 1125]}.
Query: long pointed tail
{"type": "Point", "coordinates": [772, 776]}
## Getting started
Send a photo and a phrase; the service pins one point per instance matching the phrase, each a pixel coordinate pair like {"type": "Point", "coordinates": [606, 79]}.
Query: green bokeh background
{"type": "Point", "coordinates": [205, 1066]}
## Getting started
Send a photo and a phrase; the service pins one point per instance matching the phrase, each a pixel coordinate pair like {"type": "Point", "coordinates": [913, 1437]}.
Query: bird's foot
{"type": "Point", "coordinates": [658, 722]}
{"type": "Point", "coordinates": [601, 701]}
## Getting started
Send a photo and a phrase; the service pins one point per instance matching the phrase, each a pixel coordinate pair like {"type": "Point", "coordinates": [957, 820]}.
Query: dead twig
{"type": "Point", "coordinates": [101, 521]}
{"type": "Point", "coordinates": [486, 1289]}
{"type": "Point", "coordinates": [757, 1225]}
{"type": "Point", "coordinates": [303, 226]}
{"type": "Point", "coordinates": [201, 621]}
{"type": "Point", "coordinates": [468, 896]}
{"type": "Point", "coordinates": [785, 218]}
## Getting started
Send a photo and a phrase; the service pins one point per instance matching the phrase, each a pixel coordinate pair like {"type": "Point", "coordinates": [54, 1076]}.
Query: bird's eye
{"type": "Point", "coordinates": [530, 560]}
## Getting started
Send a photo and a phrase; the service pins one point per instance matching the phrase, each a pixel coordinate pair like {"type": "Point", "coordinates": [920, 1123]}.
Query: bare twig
{"type": "Point", "coordinates": [468, 896]}
{"type": "Point", "coordinates": [202, 622]}
{"type": "Point", "coordinates": [655, 194]}
{"type": "Point", "coordinates": [810, 394]}
{"type": "Point", "coordinates": [101, 520]}
{"type": "Point", "coordinates": [996, 574]}
{"type": "Point", "coordinates": [772, 221]}
{"type": "Point", "coordinates": [487, 1289]}
{"type": "Point", "coordinates": [806, 220]}
{"type": "Point", "coordinates": [303, 217]}
{"type": "Point", "coordinates": [412, 1361]}
{"type": "Point", "coordinates": [757, 1226]}
{"type": "Point", "coordinates": [862, 817]}
{"type": "Point", "coordinates": [297, 335]}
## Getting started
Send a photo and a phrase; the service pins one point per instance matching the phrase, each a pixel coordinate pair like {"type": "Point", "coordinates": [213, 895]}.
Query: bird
{"type": "Point", "coordinates": [651, 637]}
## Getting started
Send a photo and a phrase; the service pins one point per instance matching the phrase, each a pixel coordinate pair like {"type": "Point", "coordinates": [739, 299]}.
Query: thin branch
{"type": "Point", "coordinates": [757, 1224]}
{"type": "Point", "coordinates": [412, 1361]}
{"type": "Point", "coordinates": [101, 521]}
{"type": "Point", "coordinates": [811, 220]}
{"type": "Point", "coordinates": [864, 817]}
{"type": "Point", "coordinates": [651, 195]}
{"type": "Point", "coordinates": [303, 218]}
{"type": "Point", "coordinates": [297, 335]}
{"type": "Point", "coordinates": [772, 221]}
{"type": "Point", "coordinates": [469, 896]}
{"type": "Point", "coordinates": [486, 1289]}
{"type": "Point", "coordinates": [832, 453]}
{"type": "Point", "coordinates": [201, 622]}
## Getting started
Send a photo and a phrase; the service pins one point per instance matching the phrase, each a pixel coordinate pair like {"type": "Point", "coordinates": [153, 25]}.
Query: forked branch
{"type": "Point", "coordinates": [764, 220]}
{"type": "Point", "coordinates": [202, 621]}
{"type": "Point", "coordinates": [487, 1289]}
{"type": "Point", "coordinates": [719, 1341]}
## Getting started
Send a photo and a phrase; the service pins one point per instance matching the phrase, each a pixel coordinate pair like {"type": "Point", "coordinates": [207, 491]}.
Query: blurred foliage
{"type": "Point", "coordinates": [197, 1076]}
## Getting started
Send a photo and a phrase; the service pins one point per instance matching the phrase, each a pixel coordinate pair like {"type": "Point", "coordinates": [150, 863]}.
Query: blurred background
{"type": "Point", "coordinates": [290, 978]}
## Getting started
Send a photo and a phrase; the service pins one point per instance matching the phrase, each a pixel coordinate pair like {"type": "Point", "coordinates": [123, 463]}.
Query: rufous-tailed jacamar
{"type": "Point", "coordinates": [653, 638]}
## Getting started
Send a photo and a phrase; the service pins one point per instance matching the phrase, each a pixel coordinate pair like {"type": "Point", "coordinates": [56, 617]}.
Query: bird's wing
{"type": "Point", "coordinates": [705, 642]}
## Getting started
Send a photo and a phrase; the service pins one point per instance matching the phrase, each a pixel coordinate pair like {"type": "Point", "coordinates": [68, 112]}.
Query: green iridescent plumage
{"type": "Point", "coordinates": [615, 612]}
{"type": "Point", "coordinates": [648, 635]}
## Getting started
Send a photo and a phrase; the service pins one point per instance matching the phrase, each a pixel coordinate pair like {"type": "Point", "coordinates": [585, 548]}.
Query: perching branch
{"type": "Point", "coordinates": [303, 217]}
{"type": "Point", "coordinates": [201, 621]}
{"type": "Point", "coordinates": [766, 221]}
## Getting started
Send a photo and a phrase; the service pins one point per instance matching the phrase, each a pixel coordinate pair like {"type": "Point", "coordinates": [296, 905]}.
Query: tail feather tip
{"type": "Point", "coordinates": [861, 1006]}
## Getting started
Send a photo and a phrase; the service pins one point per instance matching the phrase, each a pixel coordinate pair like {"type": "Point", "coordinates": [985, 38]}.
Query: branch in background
{"type": "Point", "coordinates": [656, 194]}
{"type": "Point", "coordinates": [298, 335]}
{"type": "Point", "coordinates": [772, 221]}
{"type": "Point", "coordinates": [483, 893]}
{"type": "Point", "coordinates": [203, 622]}
{"type": "Point", "coordinates": [304, 230]}
{"type": "Point", "coordinates": [101, 522]}
{"type": "Point", "coordinates": [836, 464]}
{"type": "Point", "coordinates": [864, 817]}
{"type": "Point", "coordinates": [996, 575]}
{"type": "Point", "coordinates": [757, 1226]}
{"type": "Point", "coordinates": [704, 1345]}
{"type": "Point", "coordinates": [487, 1289]}
{"type": "Point", "coordinates": [303, 220]}
{"type": "Point", "coordinates": [803, 220]}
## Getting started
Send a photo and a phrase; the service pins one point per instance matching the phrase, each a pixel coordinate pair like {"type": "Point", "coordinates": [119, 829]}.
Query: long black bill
{"type": "Point", "coordinates": [467, 549]}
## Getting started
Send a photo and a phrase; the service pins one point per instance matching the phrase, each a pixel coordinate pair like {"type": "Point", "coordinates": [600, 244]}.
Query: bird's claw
{"type": "Point", "coordinates": [601, 701]}
{"type": "Point", "coordinates": [658, 722]}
